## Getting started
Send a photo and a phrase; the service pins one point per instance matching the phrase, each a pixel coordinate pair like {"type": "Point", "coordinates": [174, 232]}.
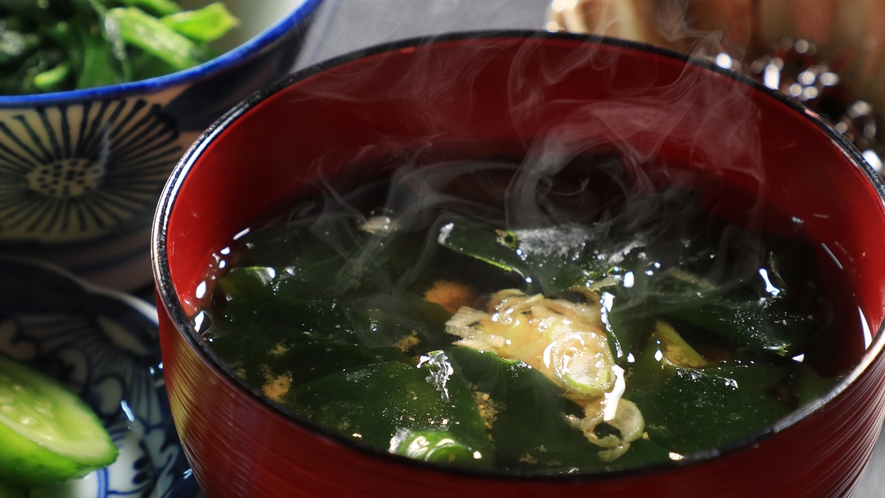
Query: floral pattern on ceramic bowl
{"type": "Point", "coordinates": [81, 171]}
{"type": "Point", "coordinates": [103, 346]}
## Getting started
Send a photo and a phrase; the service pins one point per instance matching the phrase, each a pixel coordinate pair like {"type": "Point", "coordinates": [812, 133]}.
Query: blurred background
{"type": "Point", "coordinates": [827, 54]}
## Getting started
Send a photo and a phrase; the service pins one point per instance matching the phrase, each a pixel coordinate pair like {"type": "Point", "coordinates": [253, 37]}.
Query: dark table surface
{"type": "Point", "coordinates": [342, 26]}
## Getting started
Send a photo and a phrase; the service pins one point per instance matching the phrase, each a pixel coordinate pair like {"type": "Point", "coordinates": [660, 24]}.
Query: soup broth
{"type": "Point", "coordinates": [492, 315]}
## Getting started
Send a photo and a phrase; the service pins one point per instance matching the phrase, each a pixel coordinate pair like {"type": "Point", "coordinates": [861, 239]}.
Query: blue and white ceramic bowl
{"type": "Point", "coordinates": [103, 345]}
{"type": "Point", "coordinates": [81, 171]}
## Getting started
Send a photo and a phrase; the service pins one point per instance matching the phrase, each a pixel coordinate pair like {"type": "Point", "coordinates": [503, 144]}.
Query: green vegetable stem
{"type": "Point", "coordinates": [72, 44]}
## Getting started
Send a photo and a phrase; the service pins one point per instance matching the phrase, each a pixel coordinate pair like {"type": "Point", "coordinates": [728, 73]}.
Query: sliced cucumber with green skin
{"type": "Point", "coordinates": [48, 433]}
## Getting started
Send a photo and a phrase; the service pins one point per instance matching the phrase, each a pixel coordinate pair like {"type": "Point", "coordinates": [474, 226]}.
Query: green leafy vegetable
{"type": "Point", "coordinates": [74, 44]}
{"type": "Point", "coordinates": [149, 34]}
{"type": "Point", "coordinates": [518, 400]}
{"type": "Point", "coordinates": [157, 7]}
{"type": "Point", "coordinates": [53, 78]}
{"type": "Point", "coordinates": [571, 347]}
{"type": "Point", "coordinates": [694, 410]}
{"type": "Point", "coordinates": [392, 405]}
{"type": "Point", "coordinates": [207, 24]}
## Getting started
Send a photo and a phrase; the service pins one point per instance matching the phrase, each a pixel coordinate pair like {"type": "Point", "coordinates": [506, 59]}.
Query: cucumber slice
{"type": "Point", "coordinates": [48, 433]}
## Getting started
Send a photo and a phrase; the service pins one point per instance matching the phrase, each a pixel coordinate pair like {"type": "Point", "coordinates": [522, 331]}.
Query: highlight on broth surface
{"type": "Point", "coordinates": [482, 314]}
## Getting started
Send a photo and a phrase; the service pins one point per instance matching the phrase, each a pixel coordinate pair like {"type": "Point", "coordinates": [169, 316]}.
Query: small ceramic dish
{"type": "Point", "coordinates": [81, 171]}
{"type": "Point", "coordinates": [103, 346]}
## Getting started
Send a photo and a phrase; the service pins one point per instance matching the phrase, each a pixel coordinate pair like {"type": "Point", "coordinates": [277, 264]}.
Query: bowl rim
{"type": "Point", "coordinates": [232, 57]}
{"type": "Point", "coordinates": [169, 300]}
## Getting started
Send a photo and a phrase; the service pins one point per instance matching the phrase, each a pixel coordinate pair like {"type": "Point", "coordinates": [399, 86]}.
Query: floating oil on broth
{"type": "Point", "coordinates": [493, 315]}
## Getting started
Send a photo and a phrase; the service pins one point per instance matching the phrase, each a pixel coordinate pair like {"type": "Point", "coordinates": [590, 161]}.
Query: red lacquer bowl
{"type": "Point", "coordinates": [511, 94]}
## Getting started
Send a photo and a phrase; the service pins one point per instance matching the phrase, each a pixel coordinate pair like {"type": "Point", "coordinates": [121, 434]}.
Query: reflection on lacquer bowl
{"type": "Point", "coordinates": [436, 186]}
{"type": "Point", "coordinates": [81, 170]}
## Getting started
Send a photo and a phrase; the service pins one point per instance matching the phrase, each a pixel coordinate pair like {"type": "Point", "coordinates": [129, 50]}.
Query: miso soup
{"type": "Point", "coordinates": [486, 314]}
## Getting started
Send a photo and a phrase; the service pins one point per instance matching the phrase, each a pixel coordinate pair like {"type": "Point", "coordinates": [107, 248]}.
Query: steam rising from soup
{"type": "Point", "coordinates": [570, 311]}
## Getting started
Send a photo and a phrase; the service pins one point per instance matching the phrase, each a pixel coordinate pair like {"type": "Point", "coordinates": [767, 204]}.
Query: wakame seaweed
{"type": "Point", "coordinates": [445, 331]}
